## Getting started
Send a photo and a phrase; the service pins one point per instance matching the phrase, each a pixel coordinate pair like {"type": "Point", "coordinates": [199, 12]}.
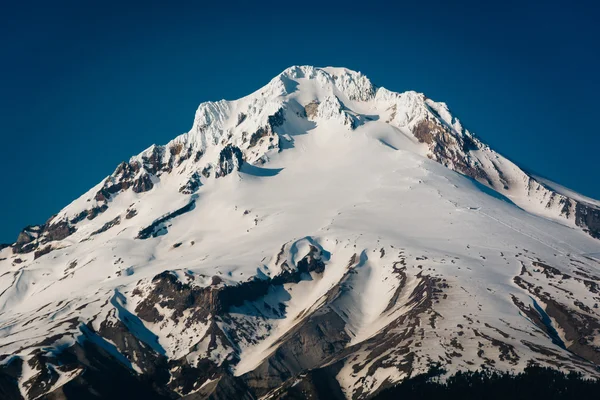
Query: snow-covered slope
{"type": "Point", "coordinates": [316, 230]}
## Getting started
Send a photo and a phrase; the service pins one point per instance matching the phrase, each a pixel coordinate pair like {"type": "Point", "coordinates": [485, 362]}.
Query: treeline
{"type": "Point", "coordinates": [534, 383]}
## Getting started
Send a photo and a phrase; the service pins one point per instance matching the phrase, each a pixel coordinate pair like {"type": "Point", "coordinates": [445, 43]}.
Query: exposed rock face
{"type": "Point", "coordinates": [9, 373]}
{"type": "Point", "coordinates": [455, 150]}
{"type": "Point", "coordinates": [579, 325]}
{"type": "Point", "coordinates": [259, 134]}
{"type": "Point", "coordinates": [308, 346]}
{"type": "Point", "coordinates": [450, 150]}
{"type": "Point", "coordinates": [143, 184]}
{"type": "Point", "coordinates": [177, 297]}
{"type": "Point", "coordinates": [192, 185]}
{"type": "Point", "coordinates": [138, 175]}
{"type": "Point", "coordinates": [588, 217]}
{"type": "Point", "coordinates": [131, 213]}
{"type": "Point", "coordinates": [321, 346]}
{"type": "Point", "coordinates": [158, 226]}
{"type": "Point", "coordinates": [108, 225]}
{"type": "Point", "coordinates": [102, 375]}
{"type": "Point", "coordinates": [311, 109]}
{"type": "Point", "coordinates": [26, 237]}
{"type": "Point", "coordinates": [32, 236]}
{"type": "Point", "coordinates": [126, 171]}
{"type": "Point", "coordinates": [230, 159]}
{"type": "Point", "coordinates": [276, 119]}
{"type": "Point", "coordinates": [93, 213]}
{"type": "Point", "coordinates": [206, 171]}
{"type": "Point", "coordinates": [41, 252]}
{"type": "Point", "coordinates": [168, 292]}
{"type": "Point", "coordinates": [317, 345]}
{"type": "Point", "coordinates": [153, 160]}
{"type": "Point", "coordinates": [58, 231]}
{"type": "Point", "coordinates": [427, 131]}
{"type": "Point", "coordinates": [146, 355]}
{"type": "Point", "coordinates": [241, 118]}
{"type": "Point", "coordinates": [120, 180]}
{"type": "Point", "coordinates": [319, 383]}
{"type": "Point", "coordinates": [312, 262]}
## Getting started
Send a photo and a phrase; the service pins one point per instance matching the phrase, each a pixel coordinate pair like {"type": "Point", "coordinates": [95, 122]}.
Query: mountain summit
{"type": "Point", "coordinates": [320, 237]}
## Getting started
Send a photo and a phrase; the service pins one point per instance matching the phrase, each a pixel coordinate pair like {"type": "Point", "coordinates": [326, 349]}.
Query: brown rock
{"type": "Point", "coordinates": [143, 184]}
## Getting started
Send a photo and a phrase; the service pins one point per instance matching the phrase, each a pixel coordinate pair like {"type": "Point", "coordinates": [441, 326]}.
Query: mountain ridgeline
{"type": "Point", "coordinates": [321, 237]}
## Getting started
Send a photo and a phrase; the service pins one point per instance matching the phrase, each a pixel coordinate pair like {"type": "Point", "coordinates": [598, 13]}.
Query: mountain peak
{"type": "Point", "coordinates": [319, 225]}
{"type": "Point", "coordinates": [302, 98]}
{"type": "Point", "coordinates": [351, 84]}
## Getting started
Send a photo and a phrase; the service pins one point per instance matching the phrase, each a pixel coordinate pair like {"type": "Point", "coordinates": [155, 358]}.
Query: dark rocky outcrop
{"type": "Point", "coordinates": [10, 370]}
{"type": "Point", "coordinates": [108, 225]}
{"type": "Point", "coordinates": [276, 119]}
{"type": "Point", "coordinates": [79, 217]}
{"type": "Point", "coordinates": [273, 121]}
{"type": "Point", "coordinates": [312, 262]}
{"type": "Point", "coordinates": [318, 383]}
{"type": "Point", "coordinates": [241, 118]}
{"type": "Point", "coordinates": [142, 184]}
{"type": "Point", "coordinates": [169, 292]}
{"type": "Point", "coordinates": [126, 171]}
{"type": "Point", "coordinates": [38, 253]}
{"type": "Point", "coordinates": [230, 159]}
{"type": "Point", "coordinates": [206, 171]}
{"type": "Point", "coordinates": [153, 162]}
{"type": "Point", "coordinates": [309, 345]}
{"type": "Point", "coordinates": [33, 236]}
{"type": "Point", "coordinates": [143, 355]}
{"type": "Point", "coordinates": [97, 374]}
{"type": "Point", "coordinates": [259, 134]}
{"type": "Point", "coordinates": [588, 217]}
{"type": "Point", "coordinates": [103, 376]}
{"type": "Point", "coordinates": [451, 150]}
{"type": "Point", "coordinates": [58, 231]}
{"type": "Point", "coordinates": [223, 386]}
{"type": "Point", "coordinates": [95, 211]}
{"type": "Point", "coordinates": [158, 226]}
{"type": "Point", "coordinates": [28, 235]}
{"type": "Point", "coordinates": [580, 328]}
{"type": "Point", "coordinates": [192, 185]}
{"type": "Point", "coordinates": [124, 176]}
{"type": "Point", "coordinates": [139, 176]}
{"type": "Point", "coordinates": [318, 337]}
{"type": "Point", "coordinates": [132, 212]}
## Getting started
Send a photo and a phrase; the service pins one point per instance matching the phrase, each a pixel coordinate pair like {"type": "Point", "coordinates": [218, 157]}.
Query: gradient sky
{"type": "Point", "coordinates": [86, 84]}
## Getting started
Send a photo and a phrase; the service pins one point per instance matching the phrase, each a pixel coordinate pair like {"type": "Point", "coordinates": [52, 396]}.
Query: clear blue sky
{"type": "Point", "coordinates": [86, 84]}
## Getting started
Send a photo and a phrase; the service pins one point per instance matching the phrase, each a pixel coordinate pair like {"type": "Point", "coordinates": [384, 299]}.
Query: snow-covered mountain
{"type": "Point", "coordinates": [321, 236]}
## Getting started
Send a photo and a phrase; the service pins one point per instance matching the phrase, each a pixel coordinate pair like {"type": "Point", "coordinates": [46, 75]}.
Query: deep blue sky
{"type": "Point", "coordinates": [86, 84]}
